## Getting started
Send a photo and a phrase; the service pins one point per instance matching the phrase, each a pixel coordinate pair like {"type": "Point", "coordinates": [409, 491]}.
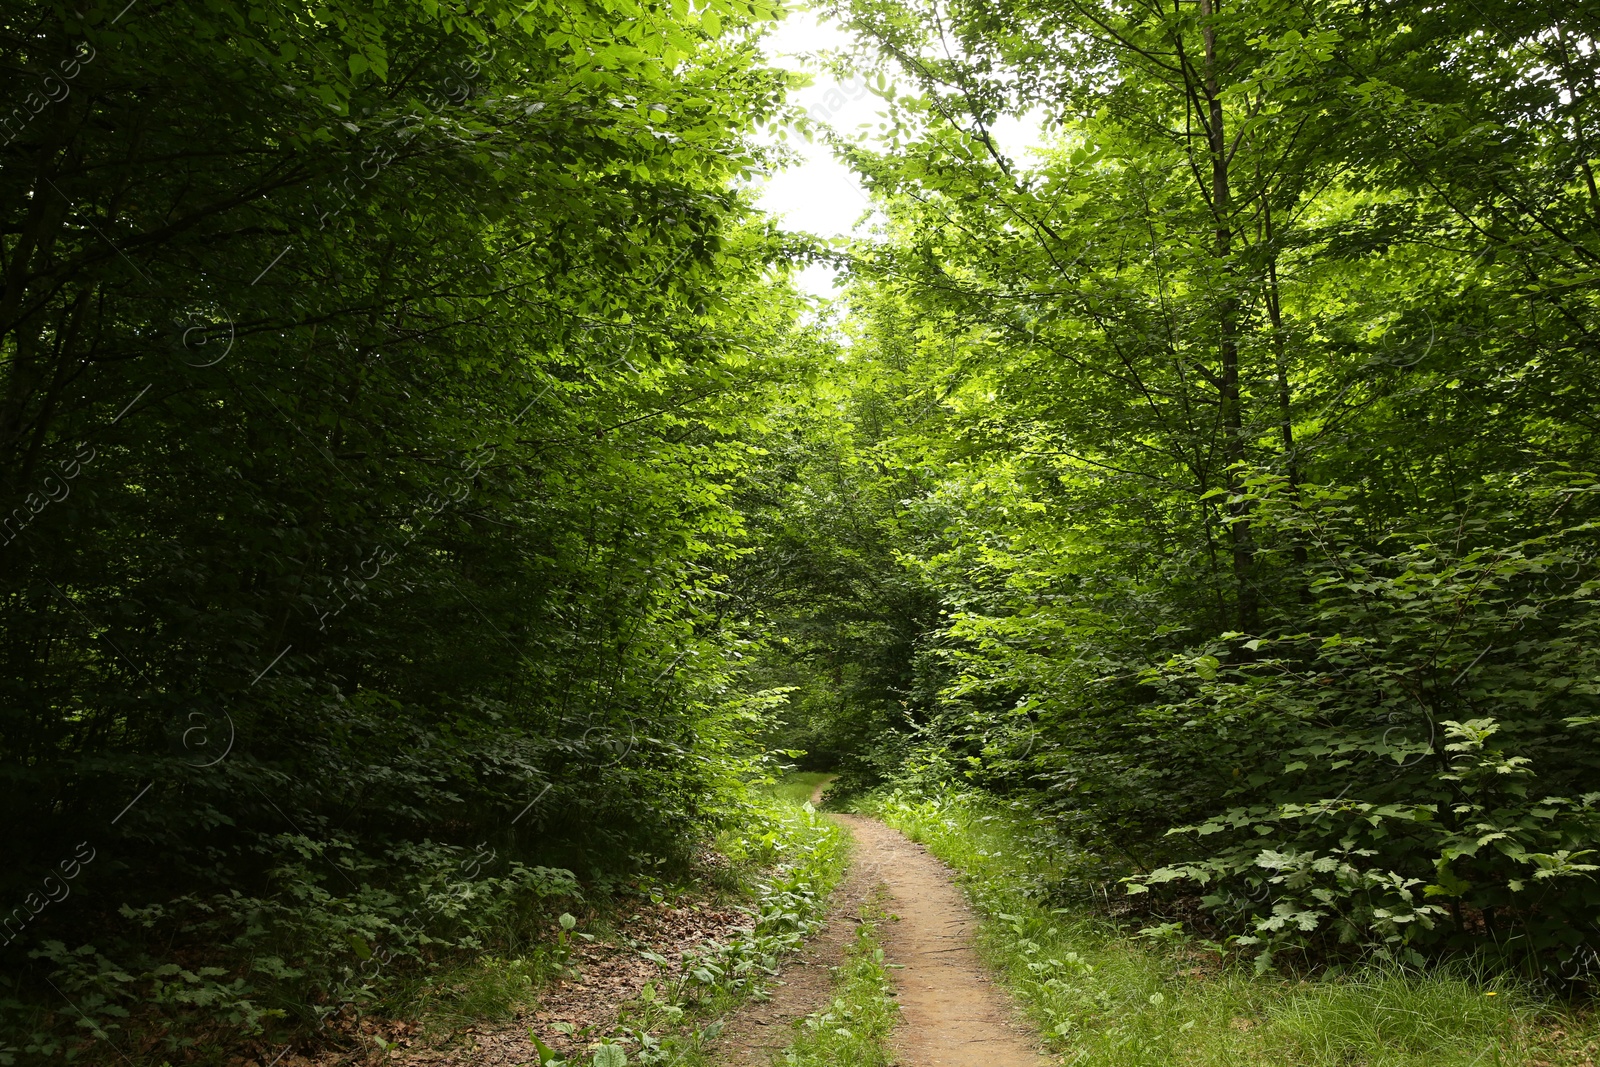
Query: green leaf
{"type": "Point", "coordinates": [547, 1055]}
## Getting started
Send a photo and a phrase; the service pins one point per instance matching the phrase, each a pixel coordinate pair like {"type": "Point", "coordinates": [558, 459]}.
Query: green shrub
{"type": "Point", "coordinates": [1103, 993]}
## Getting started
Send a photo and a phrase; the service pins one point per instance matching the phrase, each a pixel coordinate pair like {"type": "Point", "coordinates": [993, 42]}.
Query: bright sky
{"type": "Point", "coordinates": [819, 194]}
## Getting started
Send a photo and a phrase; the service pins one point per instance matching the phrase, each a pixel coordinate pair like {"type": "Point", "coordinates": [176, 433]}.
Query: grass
{"type": "Point", "coordinates": [854, 1028]}
{"type": "Point", "coordinates": [676, 1020]}
{"type": "Point", "coordinates": [786, 866]}
{"type": "Point", "coordinates": [490, 988]}
{"type": "Point", "coordinates": [1107, 996]}
{"type": "Point", "coordinates": [797, 788]}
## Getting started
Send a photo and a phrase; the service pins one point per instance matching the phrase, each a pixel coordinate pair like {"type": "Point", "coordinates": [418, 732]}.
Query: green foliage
{"type": "Point", "coordinates": [800, 858]}
{"type": "Point", "coordinates": [345, 944]}
{"type": "Point", "coordinates": [791, 904]}
{"type": "Point", "coordinates": [1218, 475]}
{"type": "Point", "coordinates": [1417, 748]}
{"type": "Point", "coordinates": [798, 787]}
{"type": "Point", "coordinates": [842, 620]}
{"type": "Point", "coordinates": [1100, 995]}
{"type": "Point", "coordinates": [374, 387]}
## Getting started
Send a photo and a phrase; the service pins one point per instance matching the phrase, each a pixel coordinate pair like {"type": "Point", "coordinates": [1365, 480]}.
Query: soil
{"type": "Point", "coordinates": [952, 1013]}
{"type": "Point", "coordinates": [756, 1032]}
{"type": "Point", "coordinates": [606, 974]}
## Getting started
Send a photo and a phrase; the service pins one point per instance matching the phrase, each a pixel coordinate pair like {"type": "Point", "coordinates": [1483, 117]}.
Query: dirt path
{"type": "Point", "coordinates": [952, 1013]}
{"type": "Point", "coordinates": [754, 1033]}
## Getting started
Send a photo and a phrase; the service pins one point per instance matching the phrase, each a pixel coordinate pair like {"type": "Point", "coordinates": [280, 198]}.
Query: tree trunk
{"type": "Point", "coordinates": [1228, 328]}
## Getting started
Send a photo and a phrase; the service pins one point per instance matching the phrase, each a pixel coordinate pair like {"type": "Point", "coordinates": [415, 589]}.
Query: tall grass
{"type": "Point", "coordinates": [1114, 997]}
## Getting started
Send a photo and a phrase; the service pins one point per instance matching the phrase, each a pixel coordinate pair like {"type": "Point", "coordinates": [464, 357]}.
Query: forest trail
{"type": "Point", "coordinates": [757, 1031]}
{"type": "Point", "coordinates": [952, 1013]}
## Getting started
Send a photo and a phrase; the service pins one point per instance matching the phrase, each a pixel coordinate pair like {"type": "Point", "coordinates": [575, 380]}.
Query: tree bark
{"type": "Point", "coordinates": [1227, 327]}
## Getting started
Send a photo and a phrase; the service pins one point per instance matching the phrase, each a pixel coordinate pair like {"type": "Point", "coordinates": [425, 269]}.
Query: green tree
{"type": "Point", "coordinates": [1271, 256]}
{"type": "Point", "coordinates": [373, 386]}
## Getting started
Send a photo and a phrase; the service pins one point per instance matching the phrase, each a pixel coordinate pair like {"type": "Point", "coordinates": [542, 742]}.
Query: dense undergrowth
{"type": "Point", "coordinates": [790, 860]}
{"type": "Point", "coordinates": [1113, 993]}
{"type": "Point", "coordinates": [479, 948]}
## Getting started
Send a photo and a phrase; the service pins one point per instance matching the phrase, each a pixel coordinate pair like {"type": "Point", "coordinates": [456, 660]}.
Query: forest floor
{"type": "Point", "coordinates": [891, 976]}
{"type": "Point", "coordinates": [754, 1034]}
{"type": "Point", "coordinates": [606, 975]}
{"type": "Point", "coordinates": [658, 979]}
{"type": "Point", "coordinates": [951, 1012]}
